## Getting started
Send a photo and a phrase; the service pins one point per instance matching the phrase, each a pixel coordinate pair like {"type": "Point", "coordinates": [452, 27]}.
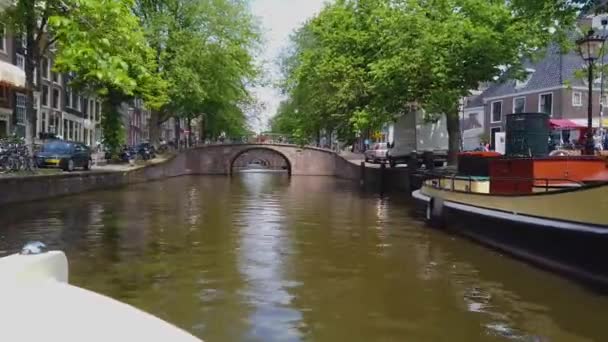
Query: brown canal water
{"type": "Point", "coordinates": [265, 257]}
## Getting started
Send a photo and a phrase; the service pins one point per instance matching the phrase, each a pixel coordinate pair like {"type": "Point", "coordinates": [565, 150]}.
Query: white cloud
{"type": "Point", "coordinates": [278, 18]}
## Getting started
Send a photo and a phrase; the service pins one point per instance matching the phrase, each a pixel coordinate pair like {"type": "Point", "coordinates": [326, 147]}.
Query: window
{"type": "Point", "coordinates": [2, 38]}
{"type": "Point", "coordinates": [65, 129]}
{"type": "Point", "coordinates": [68, 98]}
{"type": "Point", "coordinates": [43, 124]}
{"type": "Point", "coordinates": [604, 100]}
{"type": "Point", "coordinates": [23, 41]}
{"type": "Point", "coordinates": [56, 98]}
{"type": "Point", "coordinates": [55, 77]}
{"type": "Point", "coordinates": [85, 107]}
{"type": "Point", "coordinates": [20, 61]}
{"type": "Point", "coordinates": [92, 108]}
{"type": "Point", "coordinates": [44, 68]}
{"type": "Point", "coordinates": [497, 111]}
{"type": "Point", "coordinates": [45, 95]}
{"type": "Point", "coordinates": [577, 99]}
{"type": "Point", "coordinates": [97, 110]}
{"type": "Point", "coordinates": [519, 105]}
{"type": "Point", "coordinates": [545, 103]}
{"type": "Point", "coordinates": [20, 108]}
{"type": "Point", "coordinates": [75, 100]}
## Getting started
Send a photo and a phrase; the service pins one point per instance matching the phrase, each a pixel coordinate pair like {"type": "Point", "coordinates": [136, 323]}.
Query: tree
{"type": "Point", "coordinates": [204, 49]}
{"type": "Point", "coordinates": [103, 48]}
{"type": "Point", "coordinates": [361, 63]}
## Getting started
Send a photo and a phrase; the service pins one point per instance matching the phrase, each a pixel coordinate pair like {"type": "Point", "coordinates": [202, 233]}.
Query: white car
{"type": "Point", "coordinates": [377, 153]}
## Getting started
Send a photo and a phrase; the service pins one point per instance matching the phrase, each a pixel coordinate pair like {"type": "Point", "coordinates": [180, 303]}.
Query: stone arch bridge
{"type": "Point", "coordinates": [301, 161]}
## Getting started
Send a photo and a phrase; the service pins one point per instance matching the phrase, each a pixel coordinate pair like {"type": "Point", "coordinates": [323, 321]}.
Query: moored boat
{"type": "Point", "coordinates": [553, 211]}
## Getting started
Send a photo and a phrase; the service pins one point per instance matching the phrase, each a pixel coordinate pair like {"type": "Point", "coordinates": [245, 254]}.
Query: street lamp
{"type": "Point", "coordinates": [590, 48]}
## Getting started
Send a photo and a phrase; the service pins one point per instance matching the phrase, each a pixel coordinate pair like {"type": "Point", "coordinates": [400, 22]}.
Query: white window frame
{"type": "Point", "coordinates": [492, 111]}
{"type": "Point", "coordinates": [23, 40]}
{"type": "Point", "coordinates": [24, 107]}
{"type": "Point", "coordinates": [540, 102]}
{"type": "Point", "coordinates": [48, 96]}
{"type": "Point", "coordinates": [580, 97]}
{"type": "Point", "coordinates": [515, 100]}
{"type": "Point", "coordinates": [58, 99]}
{"type": "Point", "coordinates": [58, 78]}
{"type": "Point", "coordinates": [19, 57]}
{"type": "Point", "coordinates": [48, 69]}
{"type": "Point", "coordinates": [68, 97]}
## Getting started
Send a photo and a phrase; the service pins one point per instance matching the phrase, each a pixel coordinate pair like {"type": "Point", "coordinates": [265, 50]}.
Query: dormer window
{"type": "Point", "coordinates": [524, 82]}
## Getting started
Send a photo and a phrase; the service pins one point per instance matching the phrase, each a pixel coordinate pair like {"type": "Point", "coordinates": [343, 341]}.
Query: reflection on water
{"type": "Point", "coordinates": [266, 257]}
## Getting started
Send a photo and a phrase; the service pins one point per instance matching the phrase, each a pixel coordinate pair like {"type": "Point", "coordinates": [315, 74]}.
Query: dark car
{"type": "Point", "coordinates": [65, 155]}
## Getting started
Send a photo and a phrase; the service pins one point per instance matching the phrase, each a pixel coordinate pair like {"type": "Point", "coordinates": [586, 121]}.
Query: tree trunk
{"type": "Point", "coordinates": [453, 126]}
{"type": "Point", "coordinates": [189, 136]}
{"type": "Point", "coordinates": [177, 133]}
{"type": "Point", "coordinates": [30, 65]}
{"type": "Point", "coordinates": [154, 128]}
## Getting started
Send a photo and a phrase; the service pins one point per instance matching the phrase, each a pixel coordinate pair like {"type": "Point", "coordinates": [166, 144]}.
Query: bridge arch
{"type": "Point", "coordinates": [218, 159]}
{"type": "Point", "coordinates": [244, 151]}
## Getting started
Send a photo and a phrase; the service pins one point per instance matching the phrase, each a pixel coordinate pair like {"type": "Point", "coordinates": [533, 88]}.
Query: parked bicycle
{"type": "Point", "coordinates": [15, 156]}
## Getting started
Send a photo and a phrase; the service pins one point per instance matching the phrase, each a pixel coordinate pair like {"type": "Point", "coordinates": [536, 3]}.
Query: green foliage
{"type": "Point", "coordinates": [113, 129]}
{"type": "Point", "coordinates": [204, 50]}
{"type": "Point", "coordinates": [361, 63]}
{"type": "Point", "coordinates": [102, 44]}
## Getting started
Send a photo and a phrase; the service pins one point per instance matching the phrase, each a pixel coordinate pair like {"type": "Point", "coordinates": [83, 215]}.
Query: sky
{"type": "Point", "coordinates": [278, 18]}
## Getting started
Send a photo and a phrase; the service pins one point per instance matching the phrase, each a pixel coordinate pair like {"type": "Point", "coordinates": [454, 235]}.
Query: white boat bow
{"type": "Point", "coordinates": [39, 305]}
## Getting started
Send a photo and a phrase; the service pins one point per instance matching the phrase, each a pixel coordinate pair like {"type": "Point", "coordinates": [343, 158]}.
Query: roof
{"type": "Point", "coordinates": [553, 70]}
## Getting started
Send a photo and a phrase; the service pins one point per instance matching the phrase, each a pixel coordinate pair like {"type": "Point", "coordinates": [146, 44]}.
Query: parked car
{"type": "Point", "coordinates": [376, 154]}
{"type": "Point", "coordinates": [65, 155]}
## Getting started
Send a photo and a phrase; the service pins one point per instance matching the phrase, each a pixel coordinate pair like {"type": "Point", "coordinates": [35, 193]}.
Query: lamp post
{"type": "Point", "coordinates": [590, 48]}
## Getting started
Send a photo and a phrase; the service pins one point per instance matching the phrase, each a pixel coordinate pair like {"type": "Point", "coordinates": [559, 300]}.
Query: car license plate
{"type": "Point", "coordinates": [52, 161]}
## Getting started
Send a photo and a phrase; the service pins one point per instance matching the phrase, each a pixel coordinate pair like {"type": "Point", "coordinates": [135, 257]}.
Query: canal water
{"type": "Point", "coordinates": [265, 257]}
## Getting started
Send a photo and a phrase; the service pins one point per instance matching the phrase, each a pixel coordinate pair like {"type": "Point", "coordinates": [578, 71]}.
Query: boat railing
{"type": "Point", "coordinates": [546, 184]}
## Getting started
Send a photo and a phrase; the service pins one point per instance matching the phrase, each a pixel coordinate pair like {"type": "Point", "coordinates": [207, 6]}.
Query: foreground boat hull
{"type": "Point", "coordinates": [575, 248]}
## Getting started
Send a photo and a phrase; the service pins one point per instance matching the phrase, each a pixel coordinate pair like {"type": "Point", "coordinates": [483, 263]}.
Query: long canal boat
{"type": "Point", "coordinates": [552, 211]}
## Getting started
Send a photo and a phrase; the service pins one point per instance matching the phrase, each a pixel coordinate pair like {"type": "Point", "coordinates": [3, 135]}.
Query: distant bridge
{"type": "Point", "coordinates": [221, 159]}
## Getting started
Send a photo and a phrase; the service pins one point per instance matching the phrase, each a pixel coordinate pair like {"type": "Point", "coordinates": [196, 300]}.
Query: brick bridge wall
{"type": "Point", "coordinates": [303, 161]}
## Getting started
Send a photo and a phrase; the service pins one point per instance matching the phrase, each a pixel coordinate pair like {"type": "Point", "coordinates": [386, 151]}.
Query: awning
{"type": "Point", "coordinates": [595, 122]}
{"type": "Point", "coordinates": [564, 124]}
{"type": "Point", "coordinates": [12, 75]}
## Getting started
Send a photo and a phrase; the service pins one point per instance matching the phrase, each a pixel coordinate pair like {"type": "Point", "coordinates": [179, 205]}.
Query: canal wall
{"type": "Point", "coordinates": [31, 188]}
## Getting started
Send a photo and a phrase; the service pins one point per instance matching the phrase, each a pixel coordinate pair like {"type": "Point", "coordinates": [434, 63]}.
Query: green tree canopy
{"type": "Point", "coordinates": [361, 63]}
